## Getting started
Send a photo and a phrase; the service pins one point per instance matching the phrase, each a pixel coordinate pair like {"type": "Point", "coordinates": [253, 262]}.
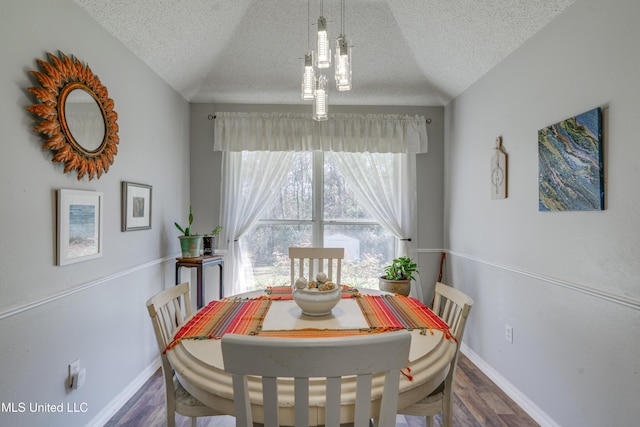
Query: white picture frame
{"type": "Point", "coordinates": [79, 226]}
{"type": "Point", "coordinates": [136, 206]}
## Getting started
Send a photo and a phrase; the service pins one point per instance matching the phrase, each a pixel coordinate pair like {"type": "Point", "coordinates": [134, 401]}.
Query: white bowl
{"type": "Point", "coordinates": [317, 303]}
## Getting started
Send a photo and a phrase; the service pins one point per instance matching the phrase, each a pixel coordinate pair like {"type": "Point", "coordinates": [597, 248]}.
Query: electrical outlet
{"type": "Point", "coordinates": [508, 333]}
{"type": "Point", "coordinates": [74, 370]}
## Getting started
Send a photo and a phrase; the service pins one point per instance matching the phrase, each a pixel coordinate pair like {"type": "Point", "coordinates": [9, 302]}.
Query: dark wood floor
{"type": "Point", "coordinates": [478, 402]}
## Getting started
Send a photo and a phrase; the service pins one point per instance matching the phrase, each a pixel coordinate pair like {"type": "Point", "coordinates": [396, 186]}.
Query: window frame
{"type": "Point", "coordinates": [317, 221]}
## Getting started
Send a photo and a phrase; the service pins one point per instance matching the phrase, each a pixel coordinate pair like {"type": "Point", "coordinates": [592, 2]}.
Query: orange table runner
{"type": "Point", "coordinates": [226, 316]}
{"type": "Point", "coordinates": [392, 312]}
{"type": "Point", "coordinates": [245, 316]}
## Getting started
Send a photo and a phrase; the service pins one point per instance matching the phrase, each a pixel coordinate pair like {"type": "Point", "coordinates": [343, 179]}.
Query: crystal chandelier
{"type": "Point", "coordinates": [314, 87]}
{"type": "Point", "coordinates": [343, 58]}
{"type": "Point", "coordinates": [308, 78]}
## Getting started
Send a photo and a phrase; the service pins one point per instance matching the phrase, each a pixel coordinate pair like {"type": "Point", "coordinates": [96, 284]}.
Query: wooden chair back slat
{"type": "Point", "coordinates": [311, 261]}
{"type": "Point", "coordinates": [330, 358]}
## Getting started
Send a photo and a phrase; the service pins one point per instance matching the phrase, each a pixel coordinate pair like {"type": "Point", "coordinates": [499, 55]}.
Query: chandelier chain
{"type": "Point", "coordinates": [342, 18]}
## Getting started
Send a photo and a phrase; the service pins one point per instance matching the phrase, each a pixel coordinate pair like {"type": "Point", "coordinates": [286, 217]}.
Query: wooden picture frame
{"type": "Point", "coordinates": [136, 206]}
{"type": "Point", "coordinates": [79, 226]}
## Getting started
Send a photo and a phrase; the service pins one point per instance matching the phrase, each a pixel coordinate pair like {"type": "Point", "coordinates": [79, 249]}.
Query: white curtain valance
{"type": "Point", "coordinates": [373, 133]}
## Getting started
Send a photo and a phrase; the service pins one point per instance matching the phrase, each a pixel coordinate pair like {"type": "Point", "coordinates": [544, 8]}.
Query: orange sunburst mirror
{"type": "Point", "coordinates": [77, 116]}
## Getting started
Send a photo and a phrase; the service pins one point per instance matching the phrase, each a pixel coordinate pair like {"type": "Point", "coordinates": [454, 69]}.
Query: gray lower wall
{"type": "Point", "coordinates": [94, 310]}
{"type": "Point", "coordinates": [567, 282]}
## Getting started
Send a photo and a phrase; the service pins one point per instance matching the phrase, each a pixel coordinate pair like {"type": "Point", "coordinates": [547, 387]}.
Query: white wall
{"type": "Point", "coordinates": [94, 310]}
{"type": "Point", "coordinates": [206, 168]}
{"type": "Point", "coordinates": [568, 282]}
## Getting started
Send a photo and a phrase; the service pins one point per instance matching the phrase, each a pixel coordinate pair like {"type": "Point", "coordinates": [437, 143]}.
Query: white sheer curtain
{"type": "Point", "coordinates": [247, 180]}
{"type": "Point", "coordinates": [246, 189]}
{"type": "Point", "coordinates": [385, 185]}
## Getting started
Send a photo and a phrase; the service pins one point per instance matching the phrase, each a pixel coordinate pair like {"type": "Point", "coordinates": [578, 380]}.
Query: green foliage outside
{"type": "Point", "coordinates": [288, 222]}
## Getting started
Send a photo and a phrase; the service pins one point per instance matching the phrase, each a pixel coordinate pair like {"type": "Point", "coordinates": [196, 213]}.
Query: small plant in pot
{"type": "Point", "coordinates": [190, 243]}
{"type": "Point", "coordinates": [208, 240]}
{"type": "Point", "coordinates": [398, 276]}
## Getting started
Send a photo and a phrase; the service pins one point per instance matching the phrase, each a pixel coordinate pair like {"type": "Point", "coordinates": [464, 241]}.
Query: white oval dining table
{"type": "Point", "coordinates": [199, 367]}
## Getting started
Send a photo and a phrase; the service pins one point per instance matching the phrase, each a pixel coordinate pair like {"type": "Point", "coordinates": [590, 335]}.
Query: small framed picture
{"type": "Point", "coordinates": [79, 226]}
{"type": "Point", "coordinates": [136, 206]}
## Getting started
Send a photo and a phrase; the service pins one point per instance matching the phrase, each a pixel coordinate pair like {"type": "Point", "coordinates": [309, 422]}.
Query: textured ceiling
{"type": "Point", "coordinates": [405, 52]}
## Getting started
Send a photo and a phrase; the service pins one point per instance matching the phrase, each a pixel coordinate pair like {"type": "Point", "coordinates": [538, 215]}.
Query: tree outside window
{"type": "Point", "coordinates": [314, 207]}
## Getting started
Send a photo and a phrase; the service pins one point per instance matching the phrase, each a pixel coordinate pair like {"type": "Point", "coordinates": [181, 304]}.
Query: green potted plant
{"type": "Point", "coordinates": [190, 243]}
{"type": "Point", "coordinates": [208, 240]}
{"type": "Point", "coordinates": [398, 276]}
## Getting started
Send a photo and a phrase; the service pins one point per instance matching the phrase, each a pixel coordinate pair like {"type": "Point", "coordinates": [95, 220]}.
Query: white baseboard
{"type": "Point", "coordinates": [123, 397]}
{"type": "Point", "coordinates": [516, 395]}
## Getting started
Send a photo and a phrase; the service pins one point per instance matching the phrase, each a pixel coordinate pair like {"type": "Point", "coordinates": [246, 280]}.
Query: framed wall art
{"type": "Point", "coordinates": [499, 171]}
{"type": "Point", "coordinates": [79, 226]}
{"type": "Point", "coordinates": [570, 164]}
{"type": "Point", "coordinates": [136, 206]}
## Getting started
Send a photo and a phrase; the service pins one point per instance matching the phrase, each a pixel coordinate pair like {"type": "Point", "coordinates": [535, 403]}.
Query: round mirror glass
{"type": "Point", "coordinates": [84, 119]}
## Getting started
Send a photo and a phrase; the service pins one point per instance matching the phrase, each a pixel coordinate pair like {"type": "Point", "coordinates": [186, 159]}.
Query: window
{"type": "Point", "coordinates": [314, 207]}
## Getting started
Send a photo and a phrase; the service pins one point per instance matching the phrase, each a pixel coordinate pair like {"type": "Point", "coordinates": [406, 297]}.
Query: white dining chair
{"type": "Point", "coordinates": [308, 262]}
{"type": "Point", "coordinates": [331, 358]}
{"type": "Point", "coordinates": [168, 311]}
{"type": "Point", "coordinates": [453, 307]}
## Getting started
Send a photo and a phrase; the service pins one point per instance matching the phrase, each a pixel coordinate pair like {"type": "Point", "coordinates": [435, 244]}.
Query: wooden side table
{"type": "Point", "coordinates": [198, 263]}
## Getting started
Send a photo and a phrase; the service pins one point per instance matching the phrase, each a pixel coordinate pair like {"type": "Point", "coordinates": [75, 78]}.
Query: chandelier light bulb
{"type": "Point", "coordinates": [323, 60]}
{"type": "Point", "coordinates": [320, 105]}
{"type": "Point", "coordinates": [343, 64]}
{"type": "Point", "coordinates": [308, 77]}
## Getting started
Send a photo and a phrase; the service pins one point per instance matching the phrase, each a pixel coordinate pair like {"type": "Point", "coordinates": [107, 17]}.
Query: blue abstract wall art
{"type": "Point", "coordinates": [570, 172]}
